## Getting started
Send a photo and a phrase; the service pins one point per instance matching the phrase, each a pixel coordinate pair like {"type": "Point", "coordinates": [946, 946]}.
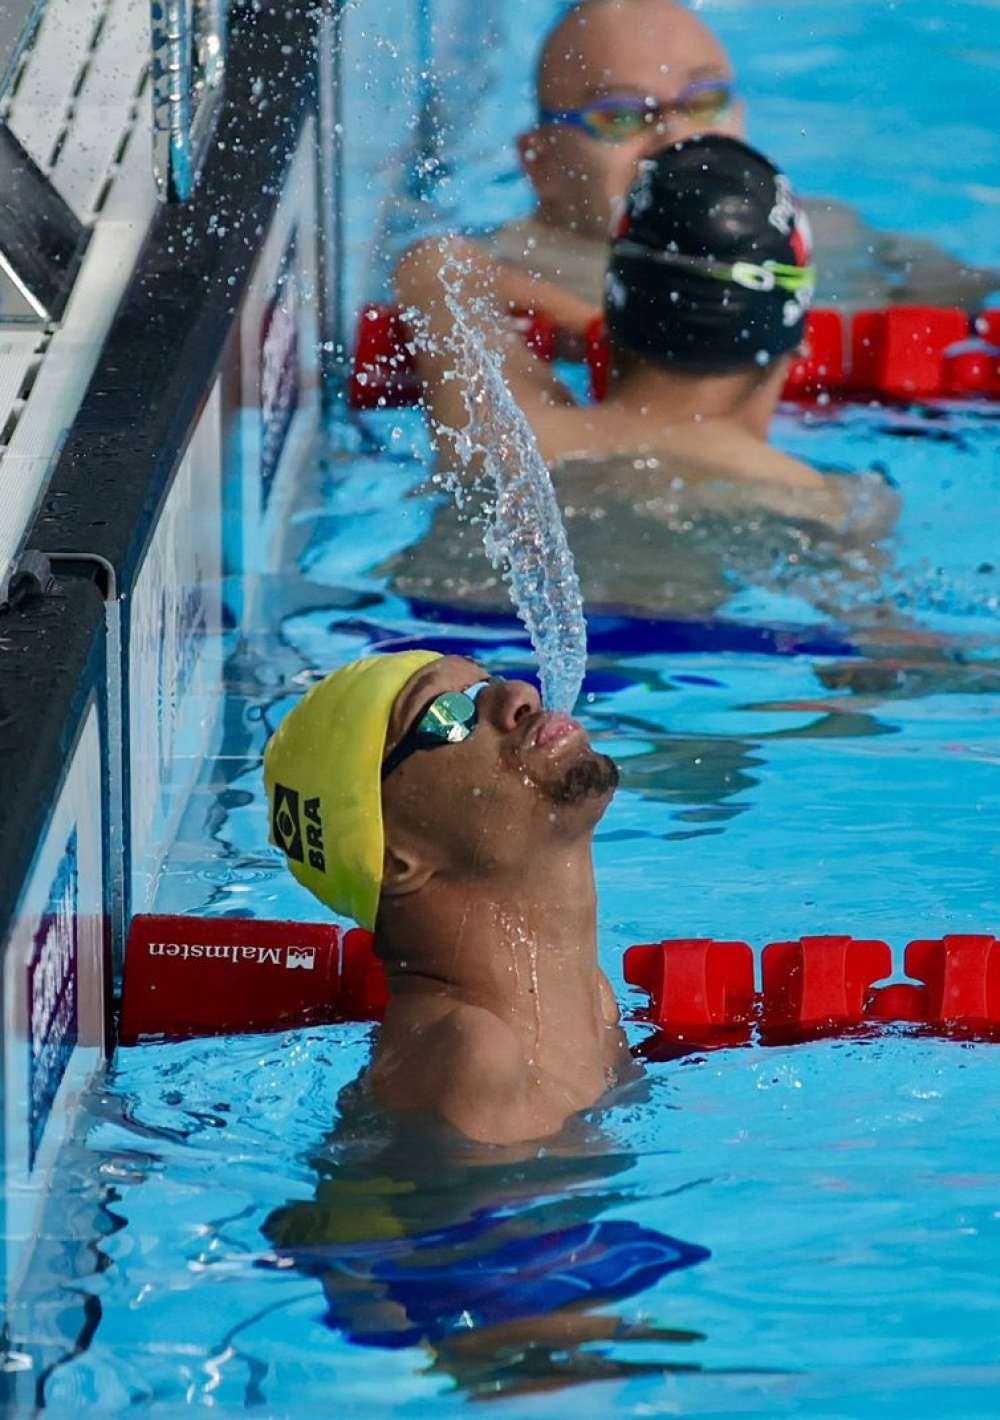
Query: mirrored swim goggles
{"type": "Point", "coordinates": [767, 276]}
{"type": "Point", "coordinates": [617, 119]}
{"type": "Point", "coordinates": [449, 719]}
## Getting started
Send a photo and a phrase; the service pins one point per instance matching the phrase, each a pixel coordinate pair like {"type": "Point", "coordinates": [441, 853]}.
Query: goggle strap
{"type": "Point", "coordinates": [748, 274]}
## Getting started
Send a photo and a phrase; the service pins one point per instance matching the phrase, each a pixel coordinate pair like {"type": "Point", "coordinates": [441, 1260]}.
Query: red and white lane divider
{"type": "Point", "coordinates": [187, 976]}
{"type": "Point", "coordinates": [703, 990]}
{"type": "Point", "coordinates": [192, 976]}
{"type": "Point", "coordinates": [902, 352]}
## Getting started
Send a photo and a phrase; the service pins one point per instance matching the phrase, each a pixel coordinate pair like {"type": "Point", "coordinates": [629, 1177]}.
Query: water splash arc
{"type": "Point", "coordinates": [523, 530]}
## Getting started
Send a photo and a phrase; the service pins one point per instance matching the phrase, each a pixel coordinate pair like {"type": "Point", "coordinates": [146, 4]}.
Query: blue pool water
{"type": "Point", "coordinates": [833, 1209]}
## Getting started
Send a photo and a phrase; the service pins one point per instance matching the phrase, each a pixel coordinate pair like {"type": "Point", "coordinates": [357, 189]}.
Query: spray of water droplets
{"type": "Point", "coordinates": [523, 529]}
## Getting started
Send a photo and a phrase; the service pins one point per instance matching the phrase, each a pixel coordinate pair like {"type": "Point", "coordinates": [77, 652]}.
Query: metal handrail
{"type": "Point", "coordinates": [188, 70]}
{"type": "Point", "coordinates": [18, 22]}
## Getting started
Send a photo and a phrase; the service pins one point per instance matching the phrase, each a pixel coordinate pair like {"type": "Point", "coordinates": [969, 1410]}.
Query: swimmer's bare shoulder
{"type": "Point", "coordinates": [716, 448]}
{"type": "Point", "coordinates": [719, 447]}
{"type": "Point", "coordinates": [468, 1067]}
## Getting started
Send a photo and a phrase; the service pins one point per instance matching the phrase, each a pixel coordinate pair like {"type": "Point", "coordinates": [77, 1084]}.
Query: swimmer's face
{"type": "Point", "coordinates": [647, 49]}
{"type": "Point", "coordinates": [522, 779]}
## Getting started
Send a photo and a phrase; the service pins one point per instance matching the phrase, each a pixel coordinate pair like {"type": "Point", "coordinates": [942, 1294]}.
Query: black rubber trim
{"type": "Point", "coordinates": [41, 236]}
{"type": "Point", "coordinates": [170, 330]}
{"type": "Point", "coordinates": [52, 661]}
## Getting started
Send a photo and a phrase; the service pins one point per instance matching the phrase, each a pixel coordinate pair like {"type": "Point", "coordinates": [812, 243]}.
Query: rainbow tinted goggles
{"type": "Point", "coordinates": [617, 119]}
{"type": "Point", "coordinates": [448, 719]}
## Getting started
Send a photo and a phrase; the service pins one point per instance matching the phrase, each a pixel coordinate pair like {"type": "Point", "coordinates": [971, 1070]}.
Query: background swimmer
{"type": "Point", "coordinates": [670, 483]}
{"type": "Point", "coordinates": [455, 818]}
{"type": "Point", "coordinates": [709, 279]}
{"type": "Point", "coordinates": [618, 78]}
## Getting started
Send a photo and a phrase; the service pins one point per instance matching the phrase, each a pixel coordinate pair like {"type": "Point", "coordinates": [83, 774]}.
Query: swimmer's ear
{"type": "Point", "coordinates": [403, 872]}
{"type": "Point", "coordinates": [529, 150]}
{"type": "Point", "coordinates": [736, 120]}
{"type": "Point", "coordinates": [540, 165]}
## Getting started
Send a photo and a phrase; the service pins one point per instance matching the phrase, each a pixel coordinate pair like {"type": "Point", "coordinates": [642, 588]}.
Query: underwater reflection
{"type": "Point", "coordinates": [649, 538]}
{"type": "Point", "coordinates": [860, 688]}
{"type": "Point", "coordinates": [498, 1262]}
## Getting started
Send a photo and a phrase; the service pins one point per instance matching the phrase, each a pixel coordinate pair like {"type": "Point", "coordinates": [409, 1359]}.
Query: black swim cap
{"type": "Point", "coordinates": [710, 266]}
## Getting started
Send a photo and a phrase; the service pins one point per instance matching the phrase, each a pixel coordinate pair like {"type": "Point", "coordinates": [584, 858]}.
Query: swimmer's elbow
{"type": "Point", "coordinates": [428, 251]}
{"type": "Point", "coordinates": [419, 268]}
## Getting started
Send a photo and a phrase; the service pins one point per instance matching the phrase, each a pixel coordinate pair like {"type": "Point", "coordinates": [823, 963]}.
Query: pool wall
{"type": "Point", "coordinates": [56, 959]}
{"type": "Point", "coordinates": [167, 502]}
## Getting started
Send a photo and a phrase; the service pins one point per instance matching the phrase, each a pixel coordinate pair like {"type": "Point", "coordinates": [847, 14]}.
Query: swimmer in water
{"type": "Point", "coordinates": [708, 282]}
{"type": "Point", "coordinates": [451, 815]}
{"type": "Point", "coordinates": [615, 80]}
{"type": "Point", "coordinates": [498, 1262]}
{"type": "Point", "coordinates": [669, 487]}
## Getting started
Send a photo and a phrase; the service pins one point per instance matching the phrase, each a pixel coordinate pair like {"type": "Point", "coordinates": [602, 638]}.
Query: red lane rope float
{"type": "Point", "coordinates": [702, 991]}
{"type": "Point", "coordinates": [903, 352]}
{"type": "Point", "coordinates": [193, 976]}
{"type": "Point", "coordinates": [383, 375]}
{"type": "Point", "coordinates": [188, 976]}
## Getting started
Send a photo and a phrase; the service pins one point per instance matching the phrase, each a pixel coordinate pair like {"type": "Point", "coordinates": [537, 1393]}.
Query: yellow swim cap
{"type": "Point", "coordinates": [323, 775]}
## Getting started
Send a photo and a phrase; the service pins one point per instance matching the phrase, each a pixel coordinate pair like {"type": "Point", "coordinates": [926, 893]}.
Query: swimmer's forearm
{"type": "Point", "coordinates": [433, 277]}
{"type": "Point", "coordinates": [497, 288]}
{"type": "Point", "coordinates": [519, 290]}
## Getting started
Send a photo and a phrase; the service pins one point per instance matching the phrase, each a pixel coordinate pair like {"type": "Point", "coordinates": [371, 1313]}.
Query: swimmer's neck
{"type": "Point", "coordinates": [747, 400]}
{"type": "Point", "coordinates": [525, 949]}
